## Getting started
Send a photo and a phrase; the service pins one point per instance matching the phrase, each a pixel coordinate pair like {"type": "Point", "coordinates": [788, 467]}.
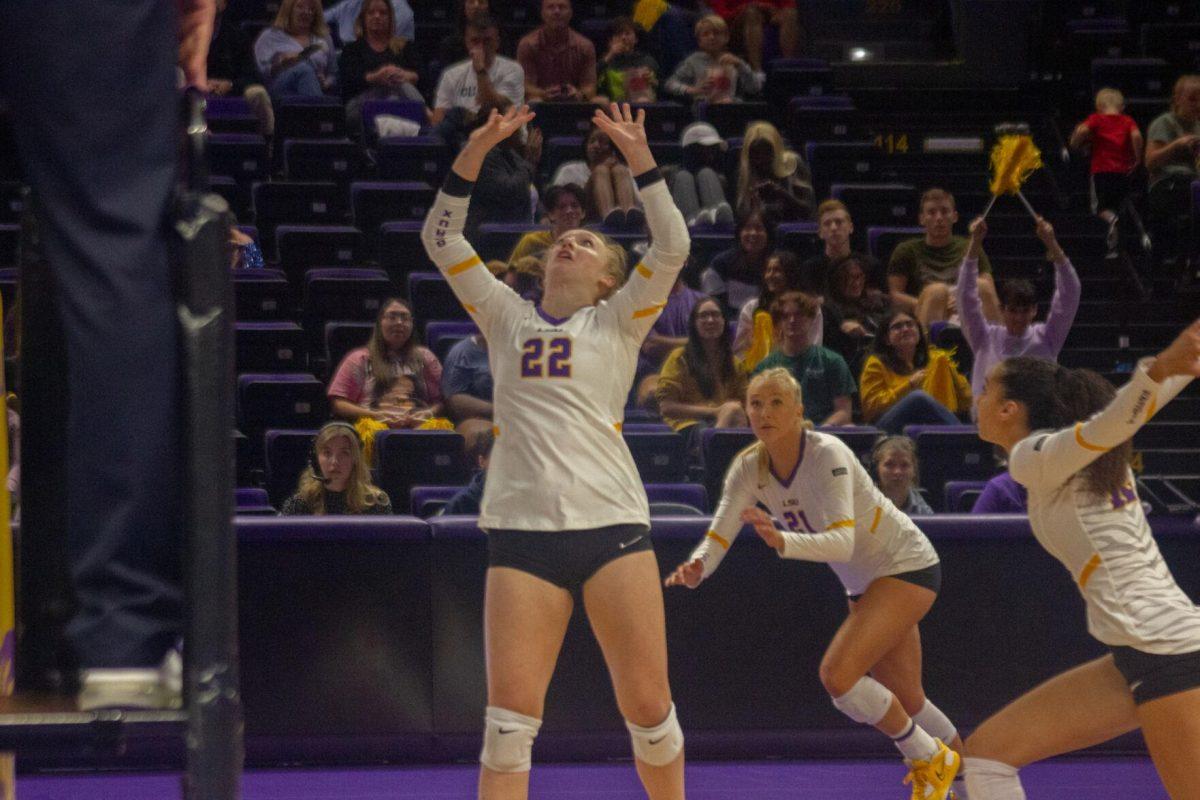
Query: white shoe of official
{"type": "Point", "coordinates": [146, 688]}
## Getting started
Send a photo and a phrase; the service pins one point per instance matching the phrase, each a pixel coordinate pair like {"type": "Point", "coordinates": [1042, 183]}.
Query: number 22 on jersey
{"type": "Point", "coordinates": [546, 359]}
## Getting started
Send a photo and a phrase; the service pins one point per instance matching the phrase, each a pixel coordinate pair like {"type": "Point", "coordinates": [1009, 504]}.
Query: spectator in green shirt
{"type": "Point", "coordinates": [922, 272]}
{"type": "Point", "coordinates": [825, 379]}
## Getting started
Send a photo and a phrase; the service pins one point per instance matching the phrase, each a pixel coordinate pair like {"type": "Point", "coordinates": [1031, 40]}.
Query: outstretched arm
{"type": "Point", "coordinates": [1067, 289]}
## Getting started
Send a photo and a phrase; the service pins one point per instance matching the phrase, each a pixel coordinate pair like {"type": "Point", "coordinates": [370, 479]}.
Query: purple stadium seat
{"type": "Point", "coordinates": [684, 494]}
{"type": "Point", "coordinates": [301, 117]}
{"type": "Point", "coordinates": [376, 202]}
{"type": "Point", "coordinates": [799, 237]}
{"type": "Point", "coordinates": [859, 438]}
{"type": "Point", "coordinates": [659, 452]}
{"type": "Point", "coordinates": [261, 294]}
{"type": "Point", "coordinates": [286, 454]}
{"type": "Point", "coordinates": [288, 400]}
{"type": "Point", "coordinates": [564, 119]}
{"type": "Point", "coordinates": [882, 240]}
{"type": "Point", "coordinates": [407, 458]}
{"type": "Point", "coordinates": [1178, 43]}
{"type": "Point", "coordinates": [960, 496]}
{"type": "Point", "coordinates": [497, 239]}
{"type": "Point", "coordinates": [304, 246]}
{"type": "Point", "coordinates": [229, 114]}
{"type": "Point", "coordinates": [790, 77]}
{"type": "Point", "coordinates": [665, 120]}
{"type": "Point", "coordinates": [338, 160]}
{"type": "Point", "coordinates": [878, 203]}
{"type": "Point", "coordinates": [252, 501]}
{"type": "Point", "coordinates": [401, 251]}
{"type": "Point", "coordinates": [432, 297]}
{"type": "Point", "coordinates": [269, 347]}
{"type": "Point", "coordinates": [557, 150]}
{"type": "Point", "coordinates": [438, 332]}
{"type": "Point", "coordinates": [731, 119]}
{"type": "Point", "coordinates": [717, 449]}
{"type": "Point", "coordinates": [344, 294]}
{"type": "Point", "coordinates": [423, 158]}
{"type": "Point", "coordinates": [950, 452]}
{"type": "Point", "coordinates": [428, 501]}
{"type": "Point", "coordinates": [278, 204]}
{"type": "Point", "coordinates": [8, 285]}
{"type": "Point", "coordinates": [341, 338]}
{"type": "Point", "coordinates": [241, 156]}
{"type": "Point", "coordinates": [1134, 77]}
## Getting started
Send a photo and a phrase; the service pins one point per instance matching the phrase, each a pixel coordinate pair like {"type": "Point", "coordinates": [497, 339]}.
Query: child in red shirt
{"type": "Point", "coordinates": [1116, 151]}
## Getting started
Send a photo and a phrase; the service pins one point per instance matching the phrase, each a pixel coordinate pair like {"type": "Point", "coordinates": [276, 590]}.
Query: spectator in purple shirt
{"type": "Point", "coordinates": [669, 332]}
{"type": "Point", "coordinates": [1001, 495]}
{"type": "Point", "coordinates": [1019, 335]}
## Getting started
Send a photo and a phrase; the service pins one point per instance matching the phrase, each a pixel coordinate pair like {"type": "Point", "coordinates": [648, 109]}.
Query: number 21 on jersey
{"type": "Point", "coordinates": [542, 359]}
{"type": "Point", "coordinates": [797, 522]}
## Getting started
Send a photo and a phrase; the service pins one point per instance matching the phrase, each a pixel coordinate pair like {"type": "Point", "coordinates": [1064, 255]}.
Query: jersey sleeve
{"type": "Point", "coordinates": [834, 541]}
{"type": "Point", "coordinates": [738, 494]}
{"type": "Point", "coordinates": [1047, 460]}
{"type": "Point", "coordinates": [638, 303]}
{"type": "Point", "coordinates": [487, 299]}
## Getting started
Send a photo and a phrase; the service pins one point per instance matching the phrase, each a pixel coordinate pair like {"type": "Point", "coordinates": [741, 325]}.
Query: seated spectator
{"type": "Point", "coordinates": [467, 386]}
{"type": "Point", "coordinates": [1002, 495]}
{"type": "Point", "coordinates": [1116, 144]}
{"type": "Point", "coordinates": [393, 380]}
{"type": "Point", "coordinates": [611, 191]}
{"type": "Point", "coordinates": [782, 273]}
{"type": "Point", "coordinates": [484, 78]}
{"type": "Point", "coordinates": [564, 211]}
{"type": "Point", "coordinates": [771, 177]}
{"type": "Point", "coordinates": [376, 65]}
{"type": "Point", "coordinates": [700, 385]}
{"type": "Point", "coordinates": [559, 64]}
{"type": "Point", "coordinates": [894, 463]}
{"type": "Point", "coordinates": [907, 382]}
{"type": "Point", "coordinates": [626, 74]}
{"type": "Point", "coordinates": [503, 189]}
{"type": "Point", "coordinates": [697, 186]}
{"type": "Point", "coordinates": [468, 500]}
{"type": "Point", "coordinates": [295, 54]}
{"type": "Point", "coordinates": [825, 380]}
{"type": "Point", "coordinates": [1019, 335]}
{"type": "Point", "coordinates": [734, 275]}
{"type": "Point", "coordinates": [712, 74]}
{"type": "Point", "coordinates": [860, 306]}
{"type": "Point", "coordinates": [834, 229]}
{"type": "Point", "coordinates": [922, 271]}
{"type": "Point", "coordinates": [750, 20]}
{"type": "Point", "coordinates": [244, 252]}
{"type": "Point", "coordinates": [337, 480]}
{"type": "Point", "coordinates": [453, 46]}
{"type": "Point", "coordinates": [670, 332]}
{"type": "Point", "coordinates": [1173, 139]}
{"type": "Point", "coordinates": [342, 19]}
{"type": "Point", "coordinates": [232, 72]}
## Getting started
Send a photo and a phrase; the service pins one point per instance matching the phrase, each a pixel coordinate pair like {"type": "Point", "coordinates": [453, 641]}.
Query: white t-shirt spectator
{"type": "Point", "coordinates": [457, 87]}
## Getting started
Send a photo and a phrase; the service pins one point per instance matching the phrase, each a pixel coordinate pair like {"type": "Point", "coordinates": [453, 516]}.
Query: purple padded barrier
{"type": "Point", "coordinates": [958, 492]}
{"type": "Point", "coordinates": [344, 294]}
{"type": "Point", "coordinates": [399, 528]}
{"type": "Point", "coordinates": [269, 347]}
{"type": "Point", "coordinates": [691, 494]}
{"type": "Point", "coordinates": [882, 239]}
{"type": "Point", "coordinates": [376, 202]}
{"type": "Point", "coordinates": [646, 427]}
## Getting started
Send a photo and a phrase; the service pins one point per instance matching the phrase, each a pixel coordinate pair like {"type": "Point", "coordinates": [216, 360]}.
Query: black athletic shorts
{"type": "Point", "coordinates": [1153, 676]}
{"type": "Point", "coordinates": [930, 577]}
{"type": "Point", "coordinates": [565, 558]}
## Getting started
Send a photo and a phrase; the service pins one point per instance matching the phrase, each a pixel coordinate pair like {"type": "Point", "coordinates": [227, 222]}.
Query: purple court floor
{"type": "Point", "coordinates": [1093, 779]}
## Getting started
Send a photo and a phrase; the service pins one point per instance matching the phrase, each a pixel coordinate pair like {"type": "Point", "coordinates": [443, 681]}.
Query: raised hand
{"type": "Point", "coordinates": [688, 574]}
{"type": "Point", "coordinates": [764, 526]}
{"type": "Point", "coordinates": [1182, 356]}
{"type": "Point", "coordinates": [628, 134]}
{"type": "Point", "coordinates": [499, 127]}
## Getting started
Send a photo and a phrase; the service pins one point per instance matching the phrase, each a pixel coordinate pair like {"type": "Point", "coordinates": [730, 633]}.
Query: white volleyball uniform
{"type": "Point", "coordinates": [831, 511]}
{"type": "Point", "coordinates": [1105, 542]}
{"type": "Point", "coordinates": [559, 462]}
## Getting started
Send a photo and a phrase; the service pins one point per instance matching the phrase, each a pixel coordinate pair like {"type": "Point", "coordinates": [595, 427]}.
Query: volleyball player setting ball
{"type": "Point", "coordinates": [1084, 510]}
{"type": "Point", "coordinates": [564, 508]}
{"type": "Point", "coordinates": [833, 512]}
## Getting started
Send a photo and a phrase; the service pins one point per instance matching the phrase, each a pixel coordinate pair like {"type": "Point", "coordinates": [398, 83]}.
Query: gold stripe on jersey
{"type": "Point", "coordinates": [1152, 406]}
{"type": "Point", "coordinates": [463, 266]}
{"type": "Point", "coordinates": [878, 516]}
{"type": "Point", "coordinates": [1086, 445]}
{"type": "Point", "coordinates": [495, 431]}
{"type": "Point", "coordinates": [721, 540]}
{"type": "Point", "coordinates": [841, 523]}
{"type": "Point", "coordinates": [618, 426]}
{"type": "Point", "coordinates": [1088, 569]}
{"type": "Point", "coordinates": [470, 308]}
{"type": "Point", "coordinates": [644, 271]}
{"type": "Point", "coordinates": [646, 312]}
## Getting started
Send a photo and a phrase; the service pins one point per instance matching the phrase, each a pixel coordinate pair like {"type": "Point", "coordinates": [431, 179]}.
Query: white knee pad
{"type": "Point", "coordinates": [991, 780]}
{"type": "Point", "coordinates": [935, 723]}
{"type": "Point", "coordinates": [866, 702]}
{"type": "Point", "coordinates": [508, 740]}
{"type": "Point", "coordinates": [660, 745]}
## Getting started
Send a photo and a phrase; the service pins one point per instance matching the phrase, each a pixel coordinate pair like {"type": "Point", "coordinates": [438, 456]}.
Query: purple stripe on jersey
{"type": "Point", "coordinates": [788, 482]}
{"type": "Point", "coordinates": [550, 319]}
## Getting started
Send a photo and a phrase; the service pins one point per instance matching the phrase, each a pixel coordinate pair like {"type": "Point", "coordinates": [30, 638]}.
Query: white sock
{"type": "Point", "coordinates": [935, 723]}
{"type": "Point", "coordinates": [915, 743]}
{"type": "Point", "coordinates": [992, 780]}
